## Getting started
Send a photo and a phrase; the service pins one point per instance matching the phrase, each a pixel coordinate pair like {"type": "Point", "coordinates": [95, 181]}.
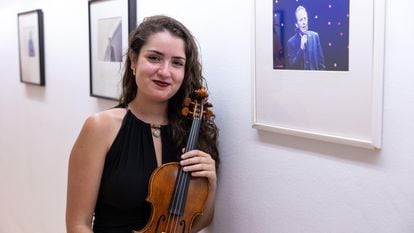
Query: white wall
{"type": "Point", "coordinates": [268, 182]}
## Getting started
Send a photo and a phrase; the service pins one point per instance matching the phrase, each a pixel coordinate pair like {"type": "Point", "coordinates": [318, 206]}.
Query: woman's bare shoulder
{"type": "Point", "coordinates": [106, 118]}
{"type": "Point", "coordinates": [103, 126]}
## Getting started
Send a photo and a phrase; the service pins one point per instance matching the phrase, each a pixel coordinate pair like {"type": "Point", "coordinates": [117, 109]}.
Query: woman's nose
{"type": "Point", "coordinates": [164, 69]}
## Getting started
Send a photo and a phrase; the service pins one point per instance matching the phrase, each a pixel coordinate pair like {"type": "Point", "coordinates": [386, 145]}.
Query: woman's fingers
{"type": "Point", "coordinates": [199, 163]}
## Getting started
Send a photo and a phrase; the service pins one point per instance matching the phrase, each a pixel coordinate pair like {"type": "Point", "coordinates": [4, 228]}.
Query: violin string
{"type": "Point", "coordinates": [176, 201]}
{"type": "Point", "coordinates": [184, 177]}
{"type": "Point", "coordinates": [177, 196]}
{"type": "Point", "coordinates": [172, 221]}
{"type": "Point", "coordinates": [182, 180]}
{"type": "Point", "coordinates": [170, 218]}
{"type": "Point", "coordinates": [194, 139]}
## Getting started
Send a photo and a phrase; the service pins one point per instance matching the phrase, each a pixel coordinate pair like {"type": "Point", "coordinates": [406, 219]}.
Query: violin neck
{"type": "Point", "coordinates": [183, 178]}
{"type": "Point", "coordinates": [192, 139]}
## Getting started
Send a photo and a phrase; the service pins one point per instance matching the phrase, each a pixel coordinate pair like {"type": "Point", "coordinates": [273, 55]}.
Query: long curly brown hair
{"type": "Point", "coordinates": [193, 80]}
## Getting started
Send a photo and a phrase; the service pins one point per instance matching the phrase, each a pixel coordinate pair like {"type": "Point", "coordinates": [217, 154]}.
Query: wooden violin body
{"type": "Point", "coordinates": [166, 218]}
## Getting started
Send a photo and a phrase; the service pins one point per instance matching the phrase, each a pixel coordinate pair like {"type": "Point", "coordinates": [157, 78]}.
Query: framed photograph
{"type": "Point", "coordinates": [110, 22]}
{"type": "Point", "coordinates": [318, 69]}
{"type": "Point", "coordinates": [31, 47]}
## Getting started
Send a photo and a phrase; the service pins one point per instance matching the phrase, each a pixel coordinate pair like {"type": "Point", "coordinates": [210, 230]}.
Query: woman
{"type": "Point", "coordinates": [117, 149]}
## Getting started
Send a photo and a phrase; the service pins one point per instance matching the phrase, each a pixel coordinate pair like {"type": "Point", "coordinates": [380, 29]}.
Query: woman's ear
{"type": "Point", "coordinates": [134, 60]}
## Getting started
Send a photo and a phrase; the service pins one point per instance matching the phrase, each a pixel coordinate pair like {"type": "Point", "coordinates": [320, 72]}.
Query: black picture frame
{"type": "Point", "coordinates": [31, 47]}
{"type": "Point", "coordinates": [110, 22]}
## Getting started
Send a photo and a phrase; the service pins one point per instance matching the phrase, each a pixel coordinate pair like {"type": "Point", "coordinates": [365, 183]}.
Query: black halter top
{"type": "Point", "coordinates": [121, 206]}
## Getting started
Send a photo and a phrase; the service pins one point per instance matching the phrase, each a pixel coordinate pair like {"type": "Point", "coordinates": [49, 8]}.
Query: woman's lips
{"type": "Point", "coordinates": [161, 83]}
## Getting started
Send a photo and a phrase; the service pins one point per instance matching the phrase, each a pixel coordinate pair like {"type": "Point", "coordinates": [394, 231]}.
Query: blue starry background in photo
{"type": "Point", "coordinates": [329, 18]}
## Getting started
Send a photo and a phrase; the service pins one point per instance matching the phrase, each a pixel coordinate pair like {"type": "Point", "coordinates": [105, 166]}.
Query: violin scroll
{"type": "Point", "coordinates": [197, 105]}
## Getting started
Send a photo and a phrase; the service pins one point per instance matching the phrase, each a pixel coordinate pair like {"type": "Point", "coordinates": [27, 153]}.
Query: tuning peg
{"type": "Point", "coordinates": [208, 113]}
{"type": "Point", "coordinates": [187, 101]}
{"type": "Point", "coordinates": [202, 92]}
{"type": "Point", "coordinates": [185, 111]}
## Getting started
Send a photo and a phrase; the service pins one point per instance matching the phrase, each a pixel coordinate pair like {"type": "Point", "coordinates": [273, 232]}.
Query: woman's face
{"type": "Point", "coordinates": [160, 67]}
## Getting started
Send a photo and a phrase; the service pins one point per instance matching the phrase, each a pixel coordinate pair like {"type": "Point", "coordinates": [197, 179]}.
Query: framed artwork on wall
{"type": "Point", "coordinates": [318, 70]}
{"type": "Point", "coordinates": [110, 22]}
{"type": "Point", "coordinates": [31, 47]}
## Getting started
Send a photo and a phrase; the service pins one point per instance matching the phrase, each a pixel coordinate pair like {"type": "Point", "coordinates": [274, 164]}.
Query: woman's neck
{"type": "Point", "coordinates": [149, 112]}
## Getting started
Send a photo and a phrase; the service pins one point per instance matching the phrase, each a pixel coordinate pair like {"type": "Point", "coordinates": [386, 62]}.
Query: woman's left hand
{"type": "Point", "coordinates": [199, 164]}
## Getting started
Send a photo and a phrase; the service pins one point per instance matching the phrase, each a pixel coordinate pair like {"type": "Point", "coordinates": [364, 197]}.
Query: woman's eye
{"type": "Point", "coordinates": [178, 63]}
{"type": "Point", "coordinates": [154, 58]}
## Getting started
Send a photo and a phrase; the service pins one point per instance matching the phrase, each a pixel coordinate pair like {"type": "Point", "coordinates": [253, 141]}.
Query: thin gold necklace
{"type": "Point", "coordinates": [155, 128]}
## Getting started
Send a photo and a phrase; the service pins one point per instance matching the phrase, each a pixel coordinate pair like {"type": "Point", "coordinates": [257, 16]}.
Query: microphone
{"type": "Point", "coordinates": [304, 40]}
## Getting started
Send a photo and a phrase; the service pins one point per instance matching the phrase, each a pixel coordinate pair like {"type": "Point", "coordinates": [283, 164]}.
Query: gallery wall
{"type": "Point", "coordinates": [267, 182]}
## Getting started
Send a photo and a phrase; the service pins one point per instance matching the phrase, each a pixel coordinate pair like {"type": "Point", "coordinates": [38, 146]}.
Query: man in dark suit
{"type": "Point", "coordinates": [304, 48]}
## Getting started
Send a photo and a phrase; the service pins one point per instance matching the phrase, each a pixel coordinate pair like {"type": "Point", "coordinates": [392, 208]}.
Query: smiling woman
{"type": "Point", "coordinates": [118, 149]}
{"type": "Point", "coordinates": [159, 66]}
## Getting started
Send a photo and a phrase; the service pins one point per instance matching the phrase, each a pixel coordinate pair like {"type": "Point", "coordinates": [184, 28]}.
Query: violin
{"type": "Point", "coordinates": [176, 197]}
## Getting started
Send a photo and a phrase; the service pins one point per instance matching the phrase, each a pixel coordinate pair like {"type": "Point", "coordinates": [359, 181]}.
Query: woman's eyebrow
{"type": "Point", "coordinates": [162, 54]}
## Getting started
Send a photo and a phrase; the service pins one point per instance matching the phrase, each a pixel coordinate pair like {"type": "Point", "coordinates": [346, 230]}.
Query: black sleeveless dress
{"type": "Point", "coordinates": [121, 205]}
